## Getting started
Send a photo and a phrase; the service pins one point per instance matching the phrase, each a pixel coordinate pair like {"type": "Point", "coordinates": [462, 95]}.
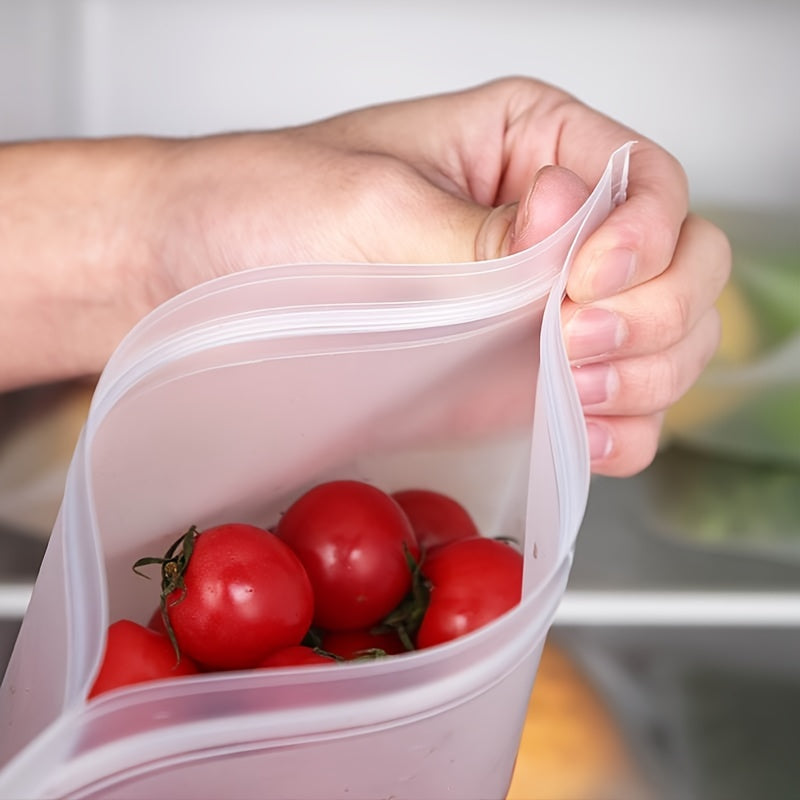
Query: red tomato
{"type": "Point", "coordinates": [472, 582]}
{"type": "Point", "coordinates": [352, 644]}
{"type": "Point", "coordinates": [352, 539]}
{"type": "Point", "coordinates": [244, 594]}
{"type": "Point", "coordinates": [436, 518]}
{"type": "Point", "coordinates": [296, 655]}
{"type": "Point", "coordinates": [135, 654]}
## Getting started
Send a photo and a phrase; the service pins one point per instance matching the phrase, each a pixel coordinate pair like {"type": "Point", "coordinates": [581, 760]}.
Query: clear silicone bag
{"type": "Point", "coordinates": [229, 401]}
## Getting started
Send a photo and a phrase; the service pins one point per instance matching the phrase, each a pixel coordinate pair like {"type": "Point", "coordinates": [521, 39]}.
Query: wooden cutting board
{"type": "Point", "coordinates": [39, 428]}
{"type": "Point", "coordinates": [572, 748]}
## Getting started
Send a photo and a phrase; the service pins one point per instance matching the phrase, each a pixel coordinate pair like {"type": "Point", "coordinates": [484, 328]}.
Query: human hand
{"type": "Point", "coordinates": [97, 233]}
{"type": "Point", "coordinates": [465, 176]}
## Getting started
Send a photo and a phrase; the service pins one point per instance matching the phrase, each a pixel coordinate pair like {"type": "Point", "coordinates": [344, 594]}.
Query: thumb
{"type": "Point", "coordinates": [556, 193]}
{"type": "Point", "coordinates": [473, 232]}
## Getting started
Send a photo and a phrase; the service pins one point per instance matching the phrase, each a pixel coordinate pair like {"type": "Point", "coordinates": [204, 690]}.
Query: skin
{"type": "Point", "coordinates": [96, 233]}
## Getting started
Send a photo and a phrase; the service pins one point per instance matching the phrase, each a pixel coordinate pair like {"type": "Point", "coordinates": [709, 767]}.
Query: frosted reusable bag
{"type": "Point", "coordinates": [229, 401]}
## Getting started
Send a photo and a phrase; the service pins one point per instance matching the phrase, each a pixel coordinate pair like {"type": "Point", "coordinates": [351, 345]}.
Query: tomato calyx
{"type": "Point", "coordinates": [173, 570]}
{"type": "Point", "coordinates": [313, 640]}
{"type": "Point", "coordinates": [406, 619]}
{"type": "Point", "coordinates": [370, 654]}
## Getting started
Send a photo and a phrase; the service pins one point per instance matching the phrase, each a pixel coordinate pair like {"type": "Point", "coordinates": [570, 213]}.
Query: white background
{"type": "Point", "coordinates": [714, 82]}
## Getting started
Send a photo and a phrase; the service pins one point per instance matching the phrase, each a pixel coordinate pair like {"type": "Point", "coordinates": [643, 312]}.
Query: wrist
{"type": "Point", "coordinates": [224, 204]}
{"type": "Point", "coordinates": [76, 261]}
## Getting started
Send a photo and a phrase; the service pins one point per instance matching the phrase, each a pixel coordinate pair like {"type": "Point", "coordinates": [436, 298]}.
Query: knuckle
{"type": "Point", "coordinates": [718, 253]}
{"type": "Point", "coordinates": [660, 230]}
{"type": "Point", "coordinates": [712, 232]}
{"type": "Point", "coordinates": [723, 261]}
{"type": "Point", "coordinates": [663, 377]}
{"type": "Point", "coordinates": [679, 171]}
{"type": "Point", "coordinates": [652, 236]}
{"type": "Point", "coordinates": [663, 236]}
{"type": "Point", "coordinates": [677, 318]}
{"type": "Point", "coordinates": [661, 384]}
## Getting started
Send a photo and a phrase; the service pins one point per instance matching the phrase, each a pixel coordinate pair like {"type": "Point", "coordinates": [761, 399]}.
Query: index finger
{"type": "Point", "coordinates": [637, 240]}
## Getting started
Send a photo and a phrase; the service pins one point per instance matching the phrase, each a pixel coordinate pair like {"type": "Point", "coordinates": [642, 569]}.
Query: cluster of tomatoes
{"type": "Point", "coordinates": [349, 571]}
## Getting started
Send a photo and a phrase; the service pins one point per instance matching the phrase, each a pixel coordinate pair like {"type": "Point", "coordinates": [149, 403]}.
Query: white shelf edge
{"type": "Point", "coordinates": [674, 608]}
{"type": "Point", "coordinates": [14, 598]}
{"type": "Point", "coordinates": [679, 608]}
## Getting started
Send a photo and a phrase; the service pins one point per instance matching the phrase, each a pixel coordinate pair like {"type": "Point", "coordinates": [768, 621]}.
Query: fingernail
{"type": "Point", "coordinates": [525, 217]}
{"type": "Point", "coordinates": [595, 383]}
{"type": "Point", "coordinates": [495, 237]}
{"type": "Point", "coordinates": [612, 271]}
{"type": "Point", "coordinates": [593, 332]}
{"type": "Point", "coordinates": [600, 442]}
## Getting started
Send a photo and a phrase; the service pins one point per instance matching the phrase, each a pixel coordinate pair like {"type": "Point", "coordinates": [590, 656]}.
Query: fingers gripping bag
{"type": "Point", "coordinates": [229, 402]}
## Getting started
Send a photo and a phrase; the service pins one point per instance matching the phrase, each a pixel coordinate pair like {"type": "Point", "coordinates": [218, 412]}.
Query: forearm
{"type": "Point", "coordinates": [76, 253]}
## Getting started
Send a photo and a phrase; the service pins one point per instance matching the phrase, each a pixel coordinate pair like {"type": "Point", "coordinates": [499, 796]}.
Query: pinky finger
{"type": "Point", "coordinates": [622, 446]}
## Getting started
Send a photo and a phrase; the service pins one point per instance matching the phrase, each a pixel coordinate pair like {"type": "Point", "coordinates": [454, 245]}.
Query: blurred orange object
{"type": "Point", "coordinates": [571, 748]}
{"type": "Point", "coordinates": [39, 428]}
